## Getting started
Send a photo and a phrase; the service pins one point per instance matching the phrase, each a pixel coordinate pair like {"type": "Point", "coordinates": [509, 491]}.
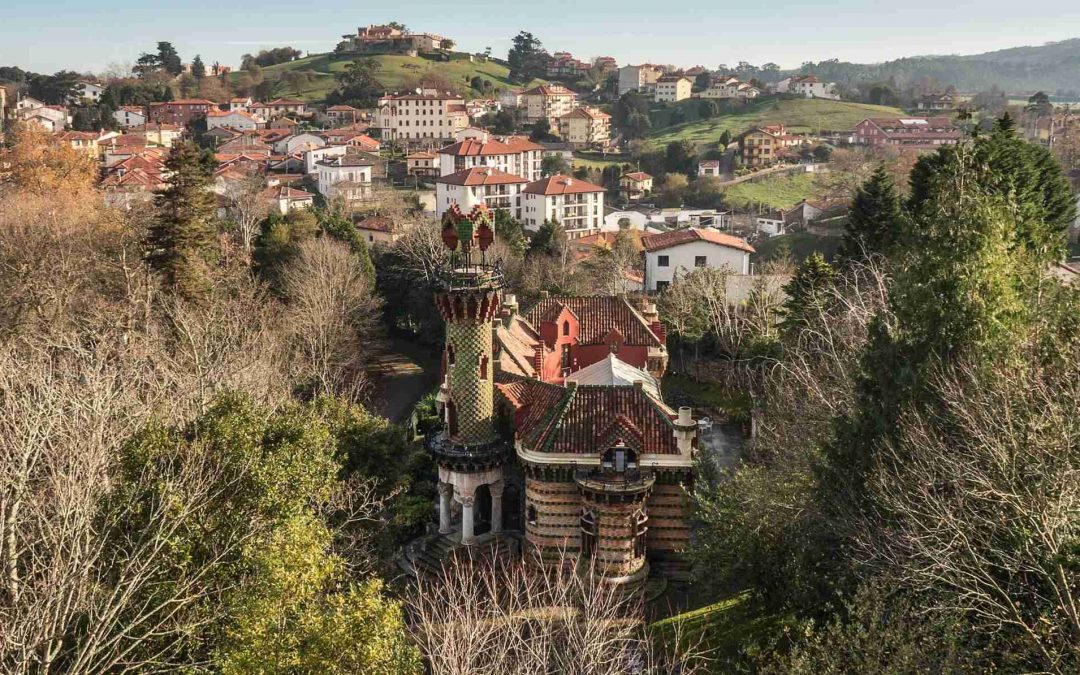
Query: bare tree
{"type": "Point", "coordinates": [981, 505]}
{"type": "Point", "coordinates": [247, 207]}
{"type": "Point", "coordinates": [525, 618]}
{"type": "Point", "coordinates": [333, 317]}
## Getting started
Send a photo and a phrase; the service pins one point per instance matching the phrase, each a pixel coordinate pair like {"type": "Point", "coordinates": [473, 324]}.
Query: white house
{"type": "Point", "coordinates": [676, 253]}
{"type": "Point", "coordinates": [512, 154]}
{"type": "Point", "coordinates": [130, 116]}
{"type": "Point", "coordinates": [637, 219]}
{"type": "Point", "coordinates": [91, 91]}
{"type": "Point", "coordinates": [348, 177]}
{"type": "Point", "coordinates": [283, 199]}
{"type": "Point", "coordinates": [234, 119]}
{"type": "Point", "coordinates": [468, 187]}
{"type": "Point", "coordinates": [314, 156]}
{"type": "Point", "coordinates": [771, 223]}
{"type": "Point", "coordinates": [808, 86]}
{"type": "Point", "coordinates": [301, 142]}
{"type": "Point", "coordinates": [576, 204]}
{"type": "Point", "coordinates": [709, 167]}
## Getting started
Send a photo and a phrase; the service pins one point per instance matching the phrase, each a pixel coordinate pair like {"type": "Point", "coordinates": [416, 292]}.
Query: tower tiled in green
{"type": "Point", "coordinates": [469, 366]}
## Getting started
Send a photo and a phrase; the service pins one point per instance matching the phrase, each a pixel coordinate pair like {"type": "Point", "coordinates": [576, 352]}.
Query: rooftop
{"type": "Point", "coordinates": [658, 242]}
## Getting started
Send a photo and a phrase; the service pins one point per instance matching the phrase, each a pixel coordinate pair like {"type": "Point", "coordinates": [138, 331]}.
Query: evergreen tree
{"type": "Point", "coordinates": [169, 58]}
{"type": "Point", "coordinates": [875, 221]}
{"type": "Point", "coordinates": [181, 241]}
{"type": "Point", "coordinates": [805, 293]}
{"type": "Point", "coordinates": [343, 230]}
{"type": "Point", "coordinates": [198, 68]}
{"type": "Point", "coordinates": [526, 57]}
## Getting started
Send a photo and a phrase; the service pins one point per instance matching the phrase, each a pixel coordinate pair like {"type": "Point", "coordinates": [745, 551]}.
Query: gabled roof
{"type": "Point", "coordinates": [377, 224]}
{"type": "Point", "coordinates": [472, 147]}
{"type": "Point", "coordinates": [560, 184]}
{"type": "Point", "coordinates": [548, 90]}
{"type": "Point", "coordinates": [285, 101]}
{"type": "Point", "coordinates": [637, 175]}
{"type": "Point", "coordinates": [480, 175]}
{"type": "Point", "coordinates": [588, 419]}
{"type": "Point", "coordinates": [586, 113]}
{"type": "Point", "coordinates": [597, 316]}
{"type": "Point", "coordinates": [614, 372]}
{"type": "Point", "coordinates": [341, 107]}
{"type": "Point", "coordinates": [658, 242]}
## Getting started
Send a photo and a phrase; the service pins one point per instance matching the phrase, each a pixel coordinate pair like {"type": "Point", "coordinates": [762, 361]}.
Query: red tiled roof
{"type": "Point", "coordinates": [376, 224]}
{"type": "Point", "coordinates": [548, 90]}
{"type": "Point", "coordinates": [185, 101]}
{"type": "Point", "coordinates": [638, 176]}
{"type": "Point", "coordinates": [472, 147]}
{"type": "Point", "coordinates": [286, 101]}
{"type": "Point", "coordinates": [658, 242]}
{"type": "Point", "coordinates": [560, 184]}
{"type": "Point", "coordinates": [480, 175]}
{"type": "Point", "coordinates": [342, 108]}
{"type": "Point", "coordinates": [587, 419]}
{"type": "Point", "coordinates": [597, 316]}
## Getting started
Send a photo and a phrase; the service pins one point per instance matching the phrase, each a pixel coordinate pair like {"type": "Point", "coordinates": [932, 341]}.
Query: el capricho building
{"type": "Point", "coordinates": [555, 437]}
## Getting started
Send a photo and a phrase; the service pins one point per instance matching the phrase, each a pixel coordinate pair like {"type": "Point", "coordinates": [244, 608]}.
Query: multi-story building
{"type": "Point", "coordinates": [387, 38]}
{"type": "Point", "coordinates": [673, 88]}
{"type": "Point", "coordinates": [344, 177]}
{"type": "Point", "coordinates": [634, 78]}
{"type": "Point", "coordinates": [577, 205]}
{"type": "Point", "coordinates": [422, 164]}
{"type": "Point", "coordinates": [808, 86]}
{"type": "Point", "coordinates": [918, 133]}
{"type": "Point", "coordinates": [516, 155]}
{"type": "Point", "coordinates": [180, 112]}
{"type": "Point", "coordinates": [548, 102]}
{"type": "Point", "coordinates": [491, 187]}
{"type": "Point", "coordinates": [937, 102]}
{"type": "Point", "coordinates": [595, 467]}
{"type": "Point", "coordinates": [586, 127]}
{"type": "Point", "coordinates": [236, 119]}
{"type": "Point", "coordinates": [764, 145]}
{"type": "Point", "coordinates": [428, 115]}
{"type": "Point", "coordinates": [563, 64]}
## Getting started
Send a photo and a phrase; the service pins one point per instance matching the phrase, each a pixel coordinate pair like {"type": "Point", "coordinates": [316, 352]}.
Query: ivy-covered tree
{"type": "Point", "coordinates": [806, 293]}
{"type": "Point", "coordinates": [181, 243]}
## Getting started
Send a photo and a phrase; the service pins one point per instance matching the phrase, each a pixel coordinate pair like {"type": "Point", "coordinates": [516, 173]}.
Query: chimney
{"type": "Point", "coordinates": [509, 309]}
{"type": "Point", "coordinates": [685, 432]}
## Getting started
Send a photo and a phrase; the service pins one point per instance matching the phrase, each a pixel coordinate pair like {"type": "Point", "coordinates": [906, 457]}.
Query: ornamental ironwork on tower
{"type": "Point", "coordinates": [468, 294]}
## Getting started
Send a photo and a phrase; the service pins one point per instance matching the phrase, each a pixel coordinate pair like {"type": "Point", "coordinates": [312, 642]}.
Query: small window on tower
{"type": "Point", "coordinates": [483, 367]}
{"type": "Point", "coordinates": [449, 355]}
{"type": "Point", "coordinates": [588, 534]}
{"type": "Point", "coordinates": [565, 327]}
{"type": "Point", "coordinates": [530, 514]}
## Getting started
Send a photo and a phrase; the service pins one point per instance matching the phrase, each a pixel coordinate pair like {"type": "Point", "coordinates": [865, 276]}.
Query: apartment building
{"type": "Point", "coordinates": [180, 112]}
{"type": "Point", "coordinates": [419, 116]}
{"type": "Point", "coordinates": [729, 87]}
{"type": "Point", "coordinates": [764, 145]}
{"type": "Point", "coordinates": [515, 155]}
{"type": "Point", "coordinates": [347, 177]}
{"type": "Point", "coordinates": [918, 133]}
{"type": "Point", "coordinates": [673, 88]}
{"type": "Point", "coordinates": [479, 184]}
{"type": "Point", "coordinates": [548, 102]}
{"type": "Point", "coordinates": [585, 127]}
{"type": "Point", "coordinates": [577, 205]}
{"type": "Point", "coordinates": [634, 78]}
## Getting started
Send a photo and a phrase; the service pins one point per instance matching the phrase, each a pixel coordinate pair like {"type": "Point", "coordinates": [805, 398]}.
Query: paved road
{"type": "Point", "coordinates": [403, 374]}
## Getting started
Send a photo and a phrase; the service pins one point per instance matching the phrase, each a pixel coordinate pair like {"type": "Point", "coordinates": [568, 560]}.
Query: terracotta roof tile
{"type": "Point", "coordinates": [658, 242]}
{"type": "Point", "coordinates": [560, 184]}
{"type": "Point", "coordinates": [480, 175]}
{"type": "Point", "coordinates": [598, 315]}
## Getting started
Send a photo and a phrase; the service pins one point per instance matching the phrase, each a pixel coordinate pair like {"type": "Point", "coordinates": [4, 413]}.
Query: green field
{"type": "Point", "coordinates": [798, 115]}
{"type": "Point", "coordinates": [395, 73]}
{"type": "Point", "coordinates": [778, 192]}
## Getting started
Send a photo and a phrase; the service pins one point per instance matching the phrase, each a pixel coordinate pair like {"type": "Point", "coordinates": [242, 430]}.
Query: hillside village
{"type": "Point", "coordinates": [541, 304]}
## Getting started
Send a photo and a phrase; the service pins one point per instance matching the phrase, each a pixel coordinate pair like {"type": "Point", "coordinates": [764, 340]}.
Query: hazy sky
{"type": "Point", "coordinates": [85, 35]}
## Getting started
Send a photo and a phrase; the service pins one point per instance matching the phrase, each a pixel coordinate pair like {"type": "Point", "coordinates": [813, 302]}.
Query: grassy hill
{"type": "Point", "coordinates": [396, 72]}
{"type": "Point", "coordinates": [778, 192]}
{"type": "Point", "coordinates": [798, 115]}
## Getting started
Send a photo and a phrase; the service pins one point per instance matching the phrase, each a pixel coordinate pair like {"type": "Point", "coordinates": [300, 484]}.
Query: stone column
{"type": "Point", "coordinates": [446, 493]}
{"type": "Point", "coordinates": [496, 489]}
{"type": "Point", "coordinates": [467, 519]}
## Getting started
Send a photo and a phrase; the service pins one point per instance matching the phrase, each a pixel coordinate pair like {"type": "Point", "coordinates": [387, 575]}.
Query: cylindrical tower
{"type": "Point", "coordinates": [468, 450]}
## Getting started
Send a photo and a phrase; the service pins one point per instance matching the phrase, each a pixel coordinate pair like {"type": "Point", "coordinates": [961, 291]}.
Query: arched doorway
{"type": "Point", "coordinates": [482, 510]}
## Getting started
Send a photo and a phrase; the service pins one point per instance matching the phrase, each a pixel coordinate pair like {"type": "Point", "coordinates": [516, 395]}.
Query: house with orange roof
{"type": "Point", "coordinates": [425, 115]}
{"type": "Point", "coordinates": [764, 145]}
{"type": "Point", "coordinates": [233, 119]}
{"type": "Point", "coordinates": [479, 184]}
{"type": "Point", "coordinates": [179, 112]}
{"type": "Point", "coordinates": [635, 185]}
{"type": "Point", "coordinates": [577, 205]}
{"type": "Point", "coordinates": [674, 254]}
{"type": "Point", "coordinates": [586, 127]}
{"type": "Point", "coordinates": [422, 164]}
{"type": "Point", "coordinates": [341, 114]}
{"type": "Point", "coordinates": [549, 101]}
{"type": "Point", "coordinates": [510, 154]}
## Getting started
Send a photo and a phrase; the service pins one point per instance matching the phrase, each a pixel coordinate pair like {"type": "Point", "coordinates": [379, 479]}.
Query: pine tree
{"type": "Point", "coordinates": [198, 68]}
{"type": "Point", "coordinates": [875, 221]}
{"type": "Point", "coordinates": [169, 59]}
{"type": "Point", "coordinates": [805, 293]}
{"type": "Point", "coordinates": [181, 242]}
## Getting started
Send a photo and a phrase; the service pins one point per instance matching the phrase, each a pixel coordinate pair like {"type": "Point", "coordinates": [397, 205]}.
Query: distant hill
{"type": "Point", "coordinates": [396, 72]}
{"type": "Point", "coordinates": [799, 115]}
{"type": "Point", "coordinates": [1053, 68]}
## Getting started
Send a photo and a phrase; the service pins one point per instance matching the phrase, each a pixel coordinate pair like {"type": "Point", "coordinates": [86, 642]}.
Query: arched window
{"type": "Point", "coordinates": [530, 514]}
{"type": "Point", "coordinates": [639, 525]}
{"type": "Point", "coordinates": [449, 355]}
{"type": "Point", "coordinates": [565, 327]}
{"type": "Point", "coordinates": [588, 533]}
{"type": "Point", "coordinates": [483, 367]}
